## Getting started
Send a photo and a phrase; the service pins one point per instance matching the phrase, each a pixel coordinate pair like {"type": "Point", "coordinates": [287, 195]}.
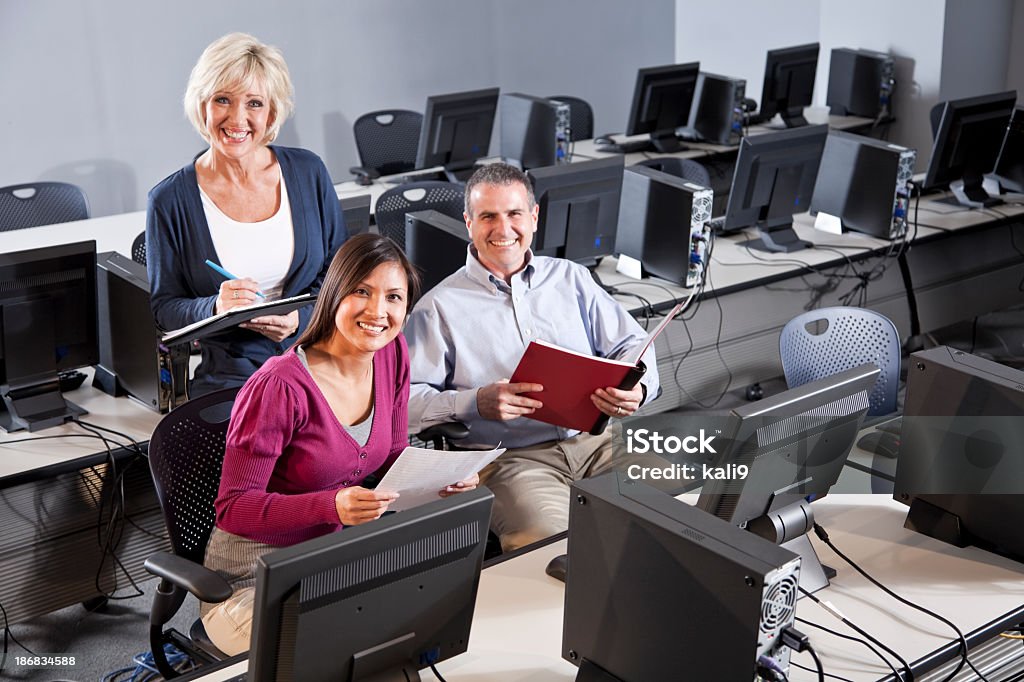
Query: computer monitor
{"type": "Point", "coordinates": [535, 131]}
{"type": "Point", "coordinates": [661, 222]}
{"type": "Point", "coordinates": [48, 320]}
{"type": "Point", "coordinates": [661, 103]}
{"type": "Point", "coordinates": [1010, 165]}
{"type": "Point", "coordinates": [579, 209]}
{"type": "Point", "coordinates": [457, 131]}
{"type": "Point", "coordinates": [717, 114]}
{"type": "Point", "coordinates": [967, 142]}
{"type": "Point", "coordinates": [794, 446]}
{"type": "Point", "coordinates": [387, 597]}
{"type": "Point", "coordinates": [659, 590]}
{"type": "Point", "coordinates": [774, 179]}
{"type": "Point", "coordinates": [961, 453]}
{"type": "Point", "coordinates": [356, 212]}
{"type": "Point", "coordinates": [789, 83]}
{"type": "Point", "coordinates": [435, 244]}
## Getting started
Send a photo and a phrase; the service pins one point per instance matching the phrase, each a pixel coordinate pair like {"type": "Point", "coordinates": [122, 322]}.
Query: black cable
{"type": "Point", "coordinates": [866, 643]}
{"type": "Point", "coordinates": [817, 662]}
{"type": "Point", "coordinates": [823, 536]}
{"type": "Point", "coordinates": [433, 669]}
{"type": "Point", "coordinates": [832, 675]}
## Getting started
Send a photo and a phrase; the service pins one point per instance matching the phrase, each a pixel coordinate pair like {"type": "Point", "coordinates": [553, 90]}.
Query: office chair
{"type": "Point", "coordinates": [392, 205]}
{"type": "Point", "coordinates": [581, 117]}
{"type": "Point", "coordinates": [387, 141]}
{"type": "Point", "coordinates": [687, 169]}
{"type": "Point", "coordinates": [139, 248]}
{"type": "Point", "coordinates": [185, 457]}
{"type": "Point", "coordinates": [850, 337]}
{"type": "Point", "coordinates": [41, 203]}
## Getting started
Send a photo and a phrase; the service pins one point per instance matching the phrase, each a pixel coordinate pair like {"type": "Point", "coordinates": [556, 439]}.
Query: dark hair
{"type": "Point", "coordinates": [352, 264]}
{"type": "Point", "coordinates": [501, 174]}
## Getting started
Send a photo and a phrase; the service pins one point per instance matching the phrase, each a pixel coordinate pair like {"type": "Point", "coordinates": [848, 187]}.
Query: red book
{"type": "Point", "coordinates": [569, 378]}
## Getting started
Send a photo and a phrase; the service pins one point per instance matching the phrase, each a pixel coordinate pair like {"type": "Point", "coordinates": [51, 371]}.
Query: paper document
{"type": "Point", "coordinates": [419, 474]}
{"type": "Point", "coordinates": [635, 356]}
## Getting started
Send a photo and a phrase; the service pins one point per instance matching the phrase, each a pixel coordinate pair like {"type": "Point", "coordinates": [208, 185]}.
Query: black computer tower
{"type": "Point", "coordinates": [436, 245]}
{"type": "Point", "coordinates": [860, 83]}
{"type": "Point", "coordinates": [534, 131]}
{"type": "Point", "coordinates": [717, 113]}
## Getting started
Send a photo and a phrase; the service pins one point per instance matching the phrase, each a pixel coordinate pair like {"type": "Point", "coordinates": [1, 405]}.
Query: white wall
{"type": "Point", "coordinates": [93, 88]}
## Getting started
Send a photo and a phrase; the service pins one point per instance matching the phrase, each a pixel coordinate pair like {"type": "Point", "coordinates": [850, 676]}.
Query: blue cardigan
{"type": "Point", "coordinates": [183, 289]}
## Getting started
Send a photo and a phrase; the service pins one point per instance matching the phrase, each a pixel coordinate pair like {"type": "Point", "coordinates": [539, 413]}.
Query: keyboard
{"type": "Point", "coordinates": [424, 176]}
{"type": "Point", "coordinates": [631, 147]}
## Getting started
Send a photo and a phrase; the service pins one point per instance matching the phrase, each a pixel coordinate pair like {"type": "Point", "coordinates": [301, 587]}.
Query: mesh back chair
{"type": "Point", "coordinates": [687, 169]}
{"type": "Point", "coordinates": [581, 117]}
{"type": "Point", "coordinates": [41, 203]}
{"type": "Point", "coordinates": [392, 205]}
{"type": "Point", "coordinates": [842, 338]}
{"type": "Point", "coordinates": [185, 457]}
{"type": "Point", "coordinates": [139, 249]}
{"type": "Point", "coordinates": [387, 142]}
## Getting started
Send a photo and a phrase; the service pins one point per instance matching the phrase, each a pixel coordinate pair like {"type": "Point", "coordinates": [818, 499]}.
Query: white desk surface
{"type": "Point", "coordinates": [517, 629]}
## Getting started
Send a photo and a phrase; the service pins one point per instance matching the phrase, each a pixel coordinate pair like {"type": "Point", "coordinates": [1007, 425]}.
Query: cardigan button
{"type": "Point", "coordinates": [362, 455]}
{"type": "Point", "coordinates": [345, 483]}
{"type": "Point", "coordinates": [358, 471]}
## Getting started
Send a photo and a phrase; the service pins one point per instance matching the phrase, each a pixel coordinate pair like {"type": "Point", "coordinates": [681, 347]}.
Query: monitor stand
{"type": "Point", "coordinates": [459, 173]}
{"type": "Point", "coordinates": [971, 195]}
{"type": "Point", "coordinates": [793, 117]}
{"type": "Point", "coordinates": [666, 142]}
{"type": "Point", "coordinates": [777, 240]}
{"type": "Point", "coordinates": [592, 672]}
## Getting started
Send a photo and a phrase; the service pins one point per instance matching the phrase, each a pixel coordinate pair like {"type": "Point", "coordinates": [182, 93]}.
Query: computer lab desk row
{"type": "Point", "coordinates": [517, 626]}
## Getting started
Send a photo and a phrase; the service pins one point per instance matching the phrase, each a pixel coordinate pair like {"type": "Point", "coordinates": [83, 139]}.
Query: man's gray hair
{"type": "Point", "coordinates": [500, 174]}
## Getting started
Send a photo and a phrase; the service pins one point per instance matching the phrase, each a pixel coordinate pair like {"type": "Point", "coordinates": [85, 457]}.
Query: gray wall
{"type": "Point", "coordinates": [1015, 68]}
{"type": "Point", "coordinates": [975, 47]}
{"type": "Point", "coordinates": [93, 88]}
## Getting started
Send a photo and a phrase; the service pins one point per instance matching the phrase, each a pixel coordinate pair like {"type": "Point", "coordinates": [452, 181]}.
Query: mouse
{"type": "Point", "coordinates": [558, 567]}
{"type": "Point", "coordinates": [604, 139]}
{"type": "Point", "coordinates": [880, 443]}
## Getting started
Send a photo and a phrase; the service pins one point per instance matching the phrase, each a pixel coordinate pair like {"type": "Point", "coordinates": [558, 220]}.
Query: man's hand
{"type": "Point", "coordinates": [501, 400]}
{"type": "Point", "coordinates": [462, 486]}
{"type": "Point", "coordinates": [274, 327]}
{"type": "Point", "coordinates": [618, 403]}
{"type": "Point", "coordinates": [358, 505]}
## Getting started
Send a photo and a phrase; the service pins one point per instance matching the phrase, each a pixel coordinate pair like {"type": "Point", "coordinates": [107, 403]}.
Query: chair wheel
{"type": "Point", "coordinates": [754, 392]}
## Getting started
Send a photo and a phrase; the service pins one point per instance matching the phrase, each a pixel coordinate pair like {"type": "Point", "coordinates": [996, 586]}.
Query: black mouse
{"type": "Point", "coordinates": [558, 567]}
{"type": "Point", "coordinates": [880, 443]}
{"type": "Point", "coordinates": [604, 139]}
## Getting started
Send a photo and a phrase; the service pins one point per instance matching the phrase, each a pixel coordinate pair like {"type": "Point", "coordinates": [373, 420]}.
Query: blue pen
{"type": "Point", "coordinates": [222, 271]}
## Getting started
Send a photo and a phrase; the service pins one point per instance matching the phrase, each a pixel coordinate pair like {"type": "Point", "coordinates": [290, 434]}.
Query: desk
{"type": "Point", "coordinates": [517, 629]}
{"type": "Point", "coordinates": [54, 492]}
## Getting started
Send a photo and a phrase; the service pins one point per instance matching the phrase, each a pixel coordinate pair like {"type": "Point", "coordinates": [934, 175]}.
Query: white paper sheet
{"type": "Point", "coordinates": [419, 474]}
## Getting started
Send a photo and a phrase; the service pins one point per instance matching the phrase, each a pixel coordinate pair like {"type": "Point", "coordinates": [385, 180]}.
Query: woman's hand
{"type": "Point", "coordinates": [462, 486]}
{"type": "Point", "coordinates": [235, 293]}
{"type": "Point", "coordinates": [274, 327]}
{"type": "Point", "coordinates": [358, 505]}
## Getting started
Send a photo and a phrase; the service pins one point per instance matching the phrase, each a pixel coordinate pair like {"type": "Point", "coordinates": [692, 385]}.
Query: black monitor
{"type": "Point", "coordinates": [534, 130]}
{"type": "Point", "coordinates": [658, 217]}
{"type": "Point", "coordinates": [659, 590]}
{"type": "Point", "coordinates": [793, 446]}
{"type": "Point", "coordinates": [966, 145]}
{"type": "Point", "coordinates": [356, 212]}
{"type": "Point", "coordinates": [48, 321]}
{"type": "Point", "coordinates": [961, 453]}
{"type": "Point", "coordinates": [389, 597]}
{"type": "Point", "coordinates": [1010, 165]}
{"type": "Point", "coordinates": [457, 131]}
{"type": "Point", "coordinates": [435, 244]}
{"type": "Point", "coordinates": [789, 83]}
{"type": "Point", "coordinates": [579, 209]}
{"type": "Point", "coordinates": [773, 181]}
{"type": "Point", "coordinates": [661, 103]}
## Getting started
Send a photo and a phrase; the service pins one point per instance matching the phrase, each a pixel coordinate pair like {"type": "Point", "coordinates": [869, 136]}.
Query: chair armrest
{"type": "Point", "coordinates": [364, 176]}
{"type": "Point", "coordinates": [202, 582]}
{"type": "Point", "coordinates": [440, 433]}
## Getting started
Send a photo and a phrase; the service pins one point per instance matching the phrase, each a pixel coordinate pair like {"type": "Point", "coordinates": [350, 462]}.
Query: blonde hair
{"type": "Point", "coordinates": [239, 60]}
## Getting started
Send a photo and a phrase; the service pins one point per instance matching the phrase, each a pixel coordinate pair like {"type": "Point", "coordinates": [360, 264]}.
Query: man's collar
{"type": "Point", "coordinates": [481, 275]}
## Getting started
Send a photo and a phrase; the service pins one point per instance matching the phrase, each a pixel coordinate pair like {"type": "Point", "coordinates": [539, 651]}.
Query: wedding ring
{"type": "Point", "coordinates": [234, 294]}
{"type": "Point", "coordinates": [618, 409]}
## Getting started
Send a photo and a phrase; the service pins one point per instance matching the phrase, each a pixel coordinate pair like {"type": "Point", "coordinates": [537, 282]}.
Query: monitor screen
{"type": "Point", "coordinates": [661, 103]}
{"type": "Point", "coordinates": [656, 219]}
{"type": "Point", "coordinates": [356, 212]}
{"type": "Point", "coordinates": [47, 324]}
{"type": "Point", "coordinates": [794, 446]}
{"type": "Point", "coordinates": [391, 596]}
{"type": "Point", "coordinates": [1010, 165]}
{"type": "Point", "coordinates": [457, 130]}
{"type": "Point", "coordinates": [579, 209]}
{"type": "Point", "coordinates": [773, 181]}
{"type": "Point", "coordinates": [789, 83]}
{"type": "Point", "coordinates": [961, 452]}
{"type": "Point", "coordinates": [967, 142]}
{"type": "Point", "coordinates": [435, 244]}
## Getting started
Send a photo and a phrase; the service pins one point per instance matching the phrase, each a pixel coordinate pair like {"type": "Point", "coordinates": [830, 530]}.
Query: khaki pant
{"type": "Point", "coordinates": [229, 623]}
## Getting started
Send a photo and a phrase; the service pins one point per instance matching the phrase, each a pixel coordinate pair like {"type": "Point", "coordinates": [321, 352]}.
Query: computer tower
{"type": "Point", "coordinates": [657, 589]}
{"type": "Point", "coordinates": [860, 83]}
{"type": "Point", "coordinates": [132, 360]}
{"type": "Point", "coordinates": [718, 114]}
{"type": "Point", "coordinates": [435, 244]}
{"type": "Point", "coordinates": [534, 130]}
{"type": "Point", "coordinates": [661, 224]}
{"type": "Point", "coordinates": [356, 213]}
{"type": "Point", "coordinates": [865, 183]}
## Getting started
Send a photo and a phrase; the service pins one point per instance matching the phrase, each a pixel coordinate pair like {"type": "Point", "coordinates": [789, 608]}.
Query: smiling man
{"type": "Point", "coordinates": [466, 337]}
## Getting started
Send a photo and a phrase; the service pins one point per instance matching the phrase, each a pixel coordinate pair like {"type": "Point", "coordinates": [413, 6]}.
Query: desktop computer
{"type": "Point", "coordinates": [133, 362]}
{"type": "Point", "coordinates": [865, 183]}
{"type": "Point", "coordinates": [860, 83]}
{"type": "Point", "coordinates": [534, 130]}
{"type": "Point", "coordinates": [435, 244]}
{"type": "Point", "coordinates": [717, 116]}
